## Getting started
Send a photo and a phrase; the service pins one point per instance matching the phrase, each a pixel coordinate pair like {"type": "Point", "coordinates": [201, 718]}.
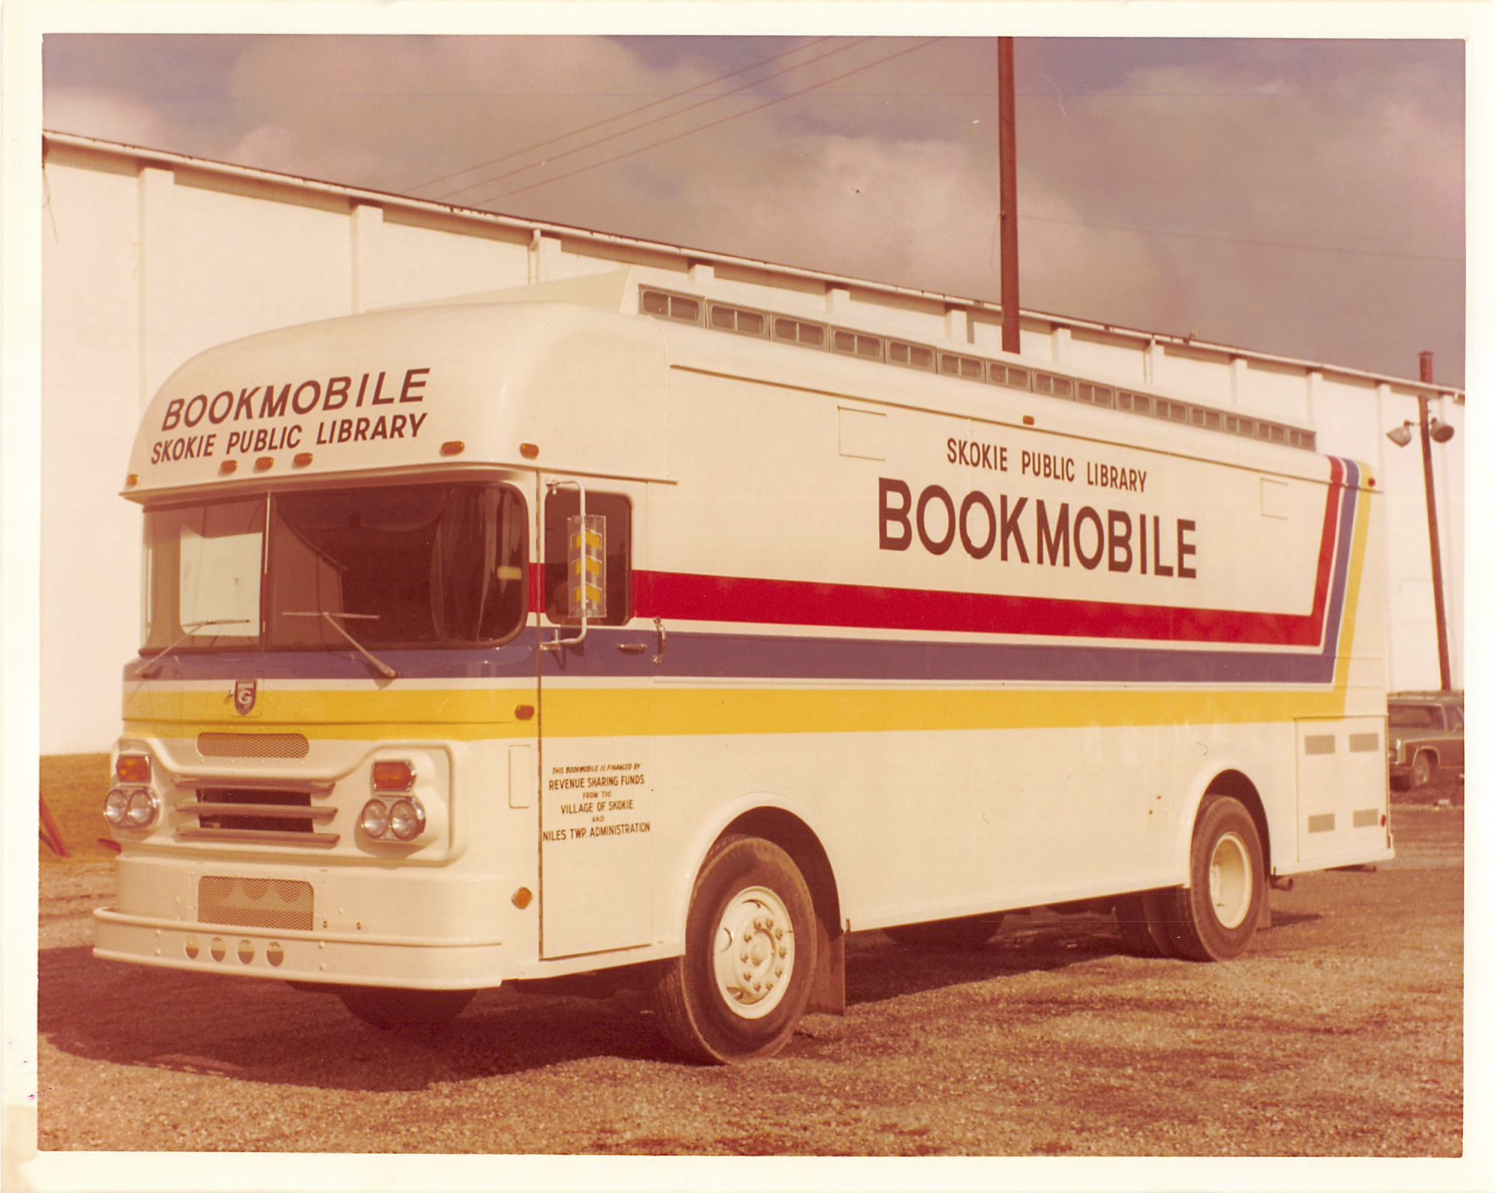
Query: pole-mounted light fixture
{"type": "Point", "coordinates": [1433, 430]}
{"type": "Point", "coordinates": [1438, 430]}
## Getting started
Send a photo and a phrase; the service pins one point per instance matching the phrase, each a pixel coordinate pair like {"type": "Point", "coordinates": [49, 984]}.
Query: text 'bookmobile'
{"type": "Point", "coordinates": [510, 639]}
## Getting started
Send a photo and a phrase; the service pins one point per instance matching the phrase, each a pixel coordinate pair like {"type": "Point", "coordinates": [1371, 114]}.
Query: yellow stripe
{"type": "Point", "coordinates": [626, 712]}
{"type": "Point", "coordinates": [459, 714]}
{"type": "Point", "coordinates": [584, 712]}
{"type": "Point", "coordinates": [1345, 648]}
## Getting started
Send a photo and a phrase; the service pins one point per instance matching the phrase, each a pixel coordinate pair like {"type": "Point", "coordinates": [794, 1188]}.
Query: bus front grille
{"type": "Point", "coordinates": [264, 815]}
{"type": "Point", "coordinates": [281, 904]}
{"type": "Point", "coordinates": [252, 745]}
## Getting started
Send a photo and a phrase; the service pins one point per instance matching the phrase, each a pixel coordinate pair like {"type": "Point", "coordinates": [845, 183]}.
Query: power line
{"type": "Point", "coordinates": [577, 94]}
{"type": "Point", "coordinates": [657, 119]}
{"type": "Point", "coordinates": [712, 124]}
{"type": "Point", "coordinates": [1276, 244]}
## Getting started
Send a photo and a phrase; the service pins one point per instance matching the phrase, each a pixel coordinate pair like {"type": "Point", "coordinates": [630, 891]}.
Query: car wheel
{"type": "Point", "coordinates": [1423, 769]}
{"type": "Point", "coordinates": [389, 1009]}
{"type": "Point", "coordinates": [961, 934]}
{"type": "Point", "coordinates": [1215, 916]}
{"type": "Point", "coordinates": [749, 960]}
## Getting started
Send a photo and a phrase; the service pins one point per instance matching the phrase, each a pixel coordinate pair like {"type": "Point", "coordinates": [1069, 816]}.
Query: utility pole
{"type": "Point", "coordinates": [1007, 159]}
{"type": "Point", "coordinates": [1425, 374]}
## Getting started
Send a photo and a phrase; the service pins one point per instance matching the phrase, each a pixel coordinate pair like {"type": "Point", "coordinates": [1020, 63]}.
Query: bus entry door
{"type": "Point", "coordinates": [596, 679]}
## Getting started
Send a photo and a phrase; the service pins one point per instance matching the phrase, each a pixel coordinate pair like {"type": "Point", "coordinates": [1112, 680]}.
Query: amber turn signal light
{"type": "Point", "coordinates": [133, 768]}
{"type": "Point", "coordinates": [393, 775]}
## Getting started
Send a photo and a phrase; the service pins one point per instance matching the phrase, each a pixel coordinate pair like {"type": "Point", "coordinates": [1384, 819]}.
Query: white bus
{"type": "Point", "coordinates": [511, 639]}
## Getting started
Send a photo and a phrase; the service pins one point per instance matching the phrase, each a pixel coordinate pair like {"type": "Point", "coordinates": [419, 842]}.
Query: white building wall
{"type": "Point", "coordinates": [150, 258]}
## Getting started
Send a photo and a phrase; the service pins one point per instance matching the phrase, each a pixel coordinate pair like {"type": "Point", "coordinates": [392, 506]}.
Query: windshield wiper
{"type": "Point", "coordinates": [331, 619]}
{"type": "Point", "coordinates": [145, 668]}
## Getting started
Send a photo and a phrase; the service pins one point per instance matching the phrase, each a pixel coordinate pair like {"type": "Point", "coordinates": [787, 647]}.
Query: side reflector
{"type": "Point", "coordinates": [453, 447]}
{"type": "Point", "coordinates": [522, 897]}
{"type": "Point", "coordinates": [228, 466]}
{"type": "Point", "coordinates": [1027, 420]}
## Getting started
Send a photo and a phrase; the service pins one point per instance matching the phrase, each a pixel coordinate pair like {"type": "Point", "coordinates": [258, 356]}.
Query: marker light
{"type": "Point", "coordinates": [228, 466]}
{"type": "Point", "coordinates": [453, 447]}
{"type": "Point", "coordinates": [264, 463]}
{"type": "Point", "coordinates": [301, 460]}
{"type": "Point", "coordinates": [131, 481]}
{"type": "Point", "coordinates": [115, 804]}
{"type": "Point", "coordinates": [407, 819]}
{"type": "Point", "coordinates": [133, 768]}
{"type": "Point", "coordinates": [529, 450]}
{"type": "Point", "coordinates": [374, 819]}
{"type": "Point", "coordinates": [393, 775]}
{"type": "Point", "coordinates": [142, 808]}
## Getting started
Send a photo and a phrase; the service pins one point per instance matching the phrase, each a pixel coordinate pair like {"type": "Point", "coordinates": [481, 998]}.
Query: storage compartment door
{"type": "Point", "coordinates": [1341, 788]}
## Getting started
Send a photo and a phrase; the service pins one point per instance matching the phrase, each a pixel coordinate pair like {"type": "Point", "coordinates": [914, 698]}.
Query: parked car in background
{"type": "Point", "coordinates": [1424, 737]}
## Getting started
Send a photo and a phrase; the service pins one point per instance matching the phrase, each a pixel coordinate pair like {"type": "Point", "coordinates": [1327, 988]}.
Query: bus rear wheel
{"type": "Point", "coordinates": [1215, 917]}
{"type": "Point", "coordinates": [749, 960]}
{"type": "Point", "coordinates": [389, 1009]}
{"type": "Point", "coordinates": [964, 933]}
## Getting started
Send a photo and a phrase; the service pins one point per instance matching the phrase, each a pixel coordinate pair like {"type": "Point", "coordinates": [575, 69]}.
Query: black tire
{"type": "Point", "coordinates": [745, 889]}
{"type": "Point", "coordinates": [390, 1009]}
{"type": "Point", "coordinates": [1136, 933]}
{"type": "Point", "coordinates": [1159, 910]}
{"type": "Point", "coordinates": [1424, 767]}
{"type": "Point", "coordinates": [958, 935]}
{"type": "Point", "coordinates": [1214, 918]}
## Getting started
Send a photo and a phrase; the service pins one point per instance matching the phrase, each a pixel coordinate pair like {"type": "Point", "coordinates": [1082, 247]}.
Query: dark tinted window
{"type": "Point", "coordinates": [407, 565]}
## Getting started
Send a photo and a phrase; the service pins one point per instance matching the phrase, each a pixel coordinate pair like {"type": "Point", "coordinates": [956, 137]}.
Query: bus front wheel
{"type": "Point", "coordinates": [1215, 916]}
{"type": "Point", "coordinates": [749, 959]}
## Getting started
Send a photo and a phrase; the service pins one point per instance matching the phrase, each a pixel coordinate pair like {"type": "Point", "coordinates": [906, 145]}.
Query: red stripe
{"type": "Point", "coordinates": [685, 596]}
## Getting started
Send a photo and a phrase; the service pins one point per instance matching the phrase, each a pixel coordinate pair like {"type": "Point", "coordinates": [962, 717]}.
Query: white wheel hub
{"type": "Point", "coordinates": [754, 957]}
{"type": "Point", "coordinates": [1230, 880]}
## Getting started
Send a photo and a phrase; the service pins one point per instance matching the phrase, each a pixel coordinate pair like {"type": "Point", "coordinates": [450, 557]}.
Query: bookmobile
{"type": "Point", "coordinates": [509, 639]}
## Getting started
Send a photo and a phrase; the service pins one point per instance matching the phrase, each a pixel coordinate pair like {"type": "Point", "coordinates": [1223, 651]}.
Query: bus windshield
{"type": "Point", "coordinates": [420, 565]}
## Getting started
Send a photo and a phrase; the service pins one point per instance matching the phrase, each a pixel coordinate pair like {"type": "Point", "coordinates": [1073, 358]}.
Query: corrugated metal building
{"type": "Point", "coordinates": [150, 257]}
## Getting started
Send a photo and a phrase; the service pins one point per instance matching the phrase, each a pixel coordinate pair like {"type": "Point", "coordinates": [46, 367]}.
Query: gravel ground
{"type": "Point", "coordinates": [1339, 1033]}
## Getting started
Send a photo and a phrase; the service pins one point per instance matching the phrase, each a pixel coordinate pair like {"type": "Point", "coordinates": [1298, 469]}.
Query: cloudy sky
{"type": "Point", "coordinates": [1298, 197]}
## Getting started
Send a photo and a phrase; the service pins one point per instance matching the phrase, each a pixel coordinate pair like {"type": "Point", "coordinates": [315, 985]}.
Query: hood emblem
{"type": "Point", "coordinates": [244, 693]}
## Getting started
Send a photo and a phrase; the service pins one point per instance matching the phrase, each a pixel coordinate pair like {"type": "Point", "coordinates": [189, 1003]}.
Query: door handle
{"type": "Point", "coordinates": [640, 647]}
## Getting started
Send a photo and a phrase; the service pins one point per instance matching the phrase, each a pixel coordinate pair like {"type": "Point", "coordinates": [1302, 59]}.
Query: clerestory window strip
{"type": "Point", "coordinates": [845, 341]}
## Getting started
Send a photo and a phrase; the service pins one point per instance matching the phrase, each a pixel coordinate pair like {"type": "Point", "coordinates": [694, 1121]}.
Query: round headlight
{"type": "Point", "coordinates": [406, 819]}
{"type": "Point", "coordinates": [374, 820]}
{"type": "Point", "coordinates": [141, 810]}
{"type": "Point", "coordinates": [115, 804]}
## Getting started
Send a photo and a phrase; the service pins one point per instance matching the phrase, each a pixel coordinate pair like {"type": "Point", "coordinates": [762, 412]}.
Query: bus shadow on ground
{"type": "Point", "coordinates": [265, 1031]}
